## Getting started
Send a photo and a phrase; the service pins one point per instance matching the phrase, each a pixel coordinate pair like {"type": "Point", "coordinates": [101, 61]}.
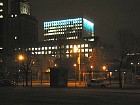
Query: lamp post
{"type": "Point", "coordinates": [75, 73]}
{"type": "Point", "coordinates": [21, 59]}
{"type": "Point", "coordinates": [135, 68]}
{"type": "Point", "coordinates": [78, 61]}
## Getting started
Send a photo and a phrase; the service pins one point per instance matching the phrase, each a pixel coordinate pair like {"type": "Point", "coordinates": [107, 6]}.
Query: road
{"type": "Point", "coordinates": [68, 96]}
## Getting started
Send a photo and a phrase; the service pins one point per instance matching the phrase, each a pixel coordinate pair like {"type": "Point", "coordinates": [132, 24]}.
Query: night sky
{"type": "Point", "coordinates": [108, 15]}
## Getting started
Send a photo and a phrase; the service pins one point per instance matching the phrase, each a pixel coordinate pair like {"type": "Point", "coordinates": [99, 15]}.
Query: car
{"type": "Point", "coordinates": [98, 83]}
{"type": "Point", "coordinates": [5, 82]}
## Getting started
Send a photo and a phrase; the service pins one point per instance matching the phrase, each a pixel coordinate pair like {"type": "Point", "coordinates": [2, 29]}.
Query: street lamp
{"type": "Point", "coordinates": [21, 57]}
{"type": "Point", "coordinates": [104, 67]}
{"type": "Point", "coordinates": [75, 73]}
{"type": "Point", "coordinates": [92, 71]}
{"type": "Point", "coordinates": [78, 61]}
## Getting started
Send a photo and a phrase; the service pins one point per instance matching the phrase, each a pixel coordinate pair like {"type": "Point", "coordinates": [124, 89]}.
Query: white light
{"type": "Point", "coordinates": [15, 37]}
{"type": "Point", "coordinates": [132, 63]}
{"type": "Point", "coordinates": [1, 16]}
{"type": "Point", "coordinates": [1, 10]}
{"type": "Point", "coordinates": [1, 4]}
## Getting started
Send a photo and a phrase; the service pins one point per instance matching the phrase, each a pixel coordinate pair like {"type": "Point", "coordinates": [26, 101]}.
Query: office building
{"type": "Point", "coordinates": [3, 29]}
{"type": "Point", "coordinates": [62, 36]}
{"type": "Point", "coordinates": [71, 28]}
{"type": "Point", "coordinates": [23, 27]}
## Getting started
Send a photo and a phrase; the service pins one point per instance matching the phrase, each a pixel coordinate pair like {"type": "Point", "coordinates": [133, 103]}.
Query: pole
{"type": "Point", "coordinates": [75, 77]}
{"type": "Point", "coordinates": [135, 69]}
{"type": "Point", "coordinates": [79, 61]}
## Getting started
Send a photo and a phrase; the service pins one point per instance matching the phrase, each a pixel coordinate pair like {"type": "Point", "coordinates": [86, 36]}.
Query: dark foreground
{"type": "Point", "coordinates": [68, 96]}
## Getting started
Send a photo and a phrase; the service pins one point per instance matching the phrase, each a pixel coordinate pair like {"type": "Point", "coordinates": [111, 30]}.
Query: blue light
{"type": "Point", "coordinates": [63, 22]}
{"type": "Point", "coordinates": [88, 25]}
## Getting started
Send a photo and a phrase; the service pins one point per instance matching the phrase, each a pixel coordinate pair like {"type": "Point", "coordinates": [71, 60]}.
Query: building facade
{"type": "Point", "coordinates": [72, 28]}
{"type": "Point", "coordinates": [23, 27]}
{"type": "Point", "coordinates": [62, 37]}
{"type": "Point", "coordinates": [3, 29]}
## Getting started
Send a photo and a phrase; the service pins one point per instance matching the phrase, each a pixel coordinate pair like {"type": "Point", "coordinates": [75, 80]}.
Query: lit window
{"type": "Point", "coordinates": [67, 51]}
{"type": "Point", "coordinates": [67, 55]}
{"type": "Point", "coordinates": [49, 47]}
{"type": "Point", "coordinates": [1, 10]}
{"type": "Point", "coordinates": [35, 48]}
{"type": "Point", "coordinates": [39, 52]}
{"type": "Point", "coordinates": [90, 50]}
{"type": "Point", "coordinates": [15, 15]}
{"type": "Point", "coordinates": [86, 55]}
{"type": "Point", "coordinates": [55, 47]}
{"type": "Point", "coordinates": [1, 4]}
{"type": "Point", "coordinates": [82, 45]}
{"type": "Point", "coordinates": [11, 15]}
{"type": "Point", "coordinates": [86, 45]}
{"type": "Point", "coordinates": [38, 48]}
{"type": "Point", "coordinates": [71, 46]}
{"type": "Point", "coordinates": [49, 52]}
{"type": "Point", "coordinates": [1, 16]}
{"type": "Point", "coordinates": [45, 48]}
{"type": "Point", "coordinates": [78, 46]}
{"type": "Point", "coordinates": [67, 46]}
{"type": "Point", "coordinates": [42, 48]}
{"type": "Point", "coordinates": [52, 47]}
{"type": "Point", "coordinates": [15, 37]}
{"type": "Point", "coordinates": [42, 52]}
{"type": "Point", "coordinates": [82, 50]}
{"type": "Point", "coordinates": [86, 50]}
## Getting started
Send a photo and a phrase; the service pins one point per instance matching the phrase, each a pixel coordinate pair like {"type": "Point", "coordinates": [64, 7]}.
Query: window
{"type": "Point", "coordinates": [1, 4]}
{"type": "Point", "coordinates": [1, 10]}
{"type": "Point", "coordinates": [67, 46]}
{"type": "Point", "coordinates": [86, 45]}
{"type": "Point", "coordinates": [1, 16]}
{"type": "Point", "coordinates": [67, 55]}
{"type": "Point", "coordinates": [82, 50]}
{"type": "Point", "coordinates": [86, 55]}
{"type": "Point", "coordinates": [15, 37]}
{"type": "Point", "coordinates": [49, 52]}
{"type": "Point", "coordinates": [82, 45]}
{"type": "Point", "coordinates": [86, 50]}
{"type": "Point", "coordinates": [42, 48]}
{"type": "Point", "coordinates": [71, 46]}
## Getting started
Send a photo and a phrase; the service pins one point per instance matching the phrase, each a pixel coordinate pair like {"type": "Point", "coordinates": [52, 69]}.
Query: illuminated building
{"type": "Point", "coordinates": [65, 34]}
{"type": "Point", "coordinates": [23, 27]}
{"type": "Point", "coordinates": [61, 36]}
{"type": "Point", "coordinates": [73, 28]}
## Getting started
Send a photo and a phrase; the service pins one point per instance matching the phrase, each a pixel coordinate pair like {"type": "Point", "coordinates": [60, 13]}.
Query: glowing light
{"type": "Point", "coordinates": [104, 67]}
{"type": "Point", "coordinates": [20, 57]}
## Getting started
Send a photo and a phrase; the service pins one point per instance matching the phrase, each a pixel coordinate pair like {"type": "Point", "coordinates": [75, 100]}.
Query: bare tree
{"type": "Point", "coordinates": [126, 45]}
{"type": "Point", "coordinates": [96, 58]}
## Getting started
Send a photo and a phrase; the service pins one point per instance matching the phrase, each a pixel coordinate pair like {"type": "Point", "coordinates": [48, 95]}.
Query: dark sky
{"type": "Point", "coordinates": [108, 15]}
